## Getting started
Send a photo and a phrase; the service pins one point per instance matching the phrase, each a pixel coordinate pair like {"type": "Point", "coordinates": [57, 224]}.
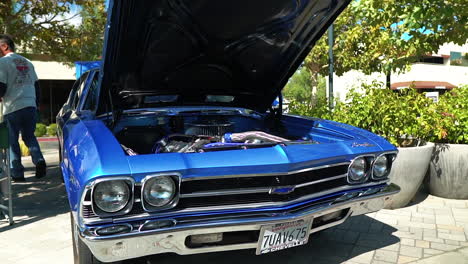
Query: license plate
{"type": "Point", "coordinates": [283, 235]}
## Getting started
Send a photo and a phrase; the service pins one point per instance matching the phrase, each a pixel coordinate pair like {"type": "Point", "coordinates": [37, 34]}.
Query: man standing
{"type": "Point", "coordinates": [19, 91]}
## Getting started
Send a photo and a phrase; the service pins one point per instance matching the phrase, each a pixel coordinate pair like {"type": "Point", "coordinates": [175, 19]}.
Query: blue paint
{"type": "Point", "coordinates": [84, 66]}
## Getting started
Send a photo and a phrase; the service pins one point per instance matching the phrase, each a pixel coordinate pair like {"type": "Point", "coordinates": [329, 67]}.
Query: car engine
{"type": "Point", "coordinates": [203, 134]}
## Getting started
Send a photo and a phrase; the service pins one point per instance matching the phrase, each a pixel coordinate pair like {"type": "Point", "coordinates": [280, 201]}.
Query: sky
{"type": "Point", "coordinates": [74, 10]}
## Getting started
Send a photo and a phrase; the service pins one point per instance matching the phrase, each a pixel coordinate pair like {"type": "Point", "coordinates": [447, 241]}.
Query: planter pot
{"type": "Point", "coordinates": [408, 172]}
{"type": "Point", "coordinates": [448, 175]}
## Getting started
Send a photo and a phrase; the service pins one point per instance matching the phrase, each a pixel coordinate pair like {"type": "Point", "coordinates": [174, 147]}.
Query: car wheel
{"type": "Point", "coordinates": [81, 252]}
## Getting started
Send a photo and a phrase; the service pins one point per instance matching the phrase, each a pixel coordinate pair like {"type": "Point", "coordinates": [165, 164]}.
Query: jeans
{"type": "Point", "coordinates": [24, 121]}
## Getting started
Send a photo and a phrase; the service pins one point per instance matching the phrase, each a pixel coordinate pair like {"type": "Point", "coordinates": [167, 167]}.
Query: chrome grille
{"type": "Point", "coordinates": [258, 189]}
{"type": "Point", "coordinates": [245, 189]}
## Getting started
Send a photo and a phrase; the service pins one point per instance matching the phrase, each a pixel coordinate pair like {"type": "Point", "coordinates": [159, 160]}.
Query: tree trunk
{"type": "Point", "coordinates": [6, 13]}
{"type": "Point", "coordinates": [314, 86]}
{"type": "Point", "coordinates": [388, 81]}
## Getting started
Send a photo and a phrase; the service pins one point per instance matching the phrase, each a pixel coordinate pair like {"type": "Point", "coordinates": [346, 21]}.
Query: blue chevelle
{"type": "Point", "coordinates": [173, 145]}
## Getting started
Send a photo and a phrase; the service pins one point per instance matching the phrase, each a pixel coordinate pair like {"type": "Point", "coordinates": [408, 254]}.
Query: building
{"type": "Point", "coordinates": [434, 74]}
{"type": "Point", "coordinates": [56, 80]}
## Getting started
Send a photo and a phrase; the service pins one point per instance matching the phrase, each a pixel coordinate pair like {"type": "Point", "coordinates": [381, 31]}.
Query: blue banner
{"type": "Point", "coordinates": [83, 66]}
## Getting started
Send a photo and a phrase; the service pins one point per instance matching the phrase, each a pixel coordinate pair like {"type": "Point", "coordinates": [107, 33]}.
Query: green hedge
{"type": "Point", "coordinates": [41, 130]}
{"type": "Point", "coordinates": [52, 130]}
{"type": "Point", "coordinates": [398, 116]}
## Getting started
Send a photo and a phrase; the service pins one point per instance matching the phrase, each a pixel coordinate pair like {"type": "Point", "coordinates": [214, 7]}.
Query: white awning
{"type": "Point", "coordinates": [51, 70]}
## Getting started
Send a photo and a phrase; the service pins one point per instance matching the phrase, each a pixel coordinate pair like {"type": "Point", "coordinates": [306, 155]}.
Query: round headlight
{"type": "Point", "coordinates": [159, 191]}
{"type": "Point", "coordinates": [357, 169]}
{"type": "Point", "coordinates": [111, 196]}
{"type": "Point", "coordinates": [380, 168]}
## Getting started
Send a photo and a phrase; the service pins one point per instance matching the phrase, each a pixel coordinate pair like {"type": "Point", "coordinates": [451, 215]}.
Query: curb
{"type": "Point", "coordinates": [47, 139]}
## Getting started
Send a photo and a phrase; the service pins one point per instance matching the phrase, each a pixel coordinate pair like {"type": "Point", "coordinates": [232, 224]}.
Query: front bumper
{"type": "Point", "coordinates": [134, 245]}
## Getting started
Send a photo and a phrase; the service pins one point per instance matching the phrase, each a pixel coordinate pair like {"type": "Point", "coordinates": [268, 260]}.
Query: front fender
{"type": "Point", "coordinates": [90, 151]}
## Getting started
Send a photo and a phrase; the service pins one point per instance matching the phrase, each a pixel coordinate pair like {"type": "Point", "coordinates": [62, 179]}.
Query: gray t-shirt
{"type": "Point", "coordinates": [19, 75]}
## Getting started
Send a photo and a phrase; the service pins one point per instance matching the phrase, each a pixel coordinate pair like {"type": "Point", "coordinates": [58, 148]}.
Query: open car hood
{"type": "Point", "coordinates": [207, 52]}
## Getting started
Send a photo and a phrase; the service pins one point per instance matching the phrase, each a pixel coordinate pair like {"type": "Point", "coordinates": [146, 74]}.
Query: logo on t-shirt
{"type": "Point", "coordinates": [22, 67]}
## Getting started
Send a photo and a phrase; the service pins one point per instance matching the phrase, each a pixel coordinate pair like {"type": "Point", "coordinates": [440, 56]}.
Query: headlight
{"type": "Point", "coordinates": [111, 196]}
{"type": "Point", "coordinates": [380, 168]}
{"type": "Point", "coordinates": [159, 191]}
{"type": "Point", "coordinates": [358, 170]}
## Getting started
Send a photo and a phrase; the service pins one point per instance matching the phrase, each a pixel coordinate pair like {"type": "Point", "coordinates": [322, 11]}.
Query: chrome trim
{"type": "Point", "coordinates": [252, 205]}
{"type": "Point", "coordinates": [127, 208]}
{"type": "Point", "coordinates": [81, 220]}
{"type": "Point", "coordinates": [255, 190]}
{"type": "Point", "coordinates": [152, 221]}
{"type": "Point", "coordinates": [121, 224]}
{"type": "Point", "coordinates": [173, 203]}
{"type": "Point", "coordinates": [394, 153]}
{"type": "Point", "coordinates": [264, 174]}
{"type": "Point", "coordinates": [126, 246]}
{"type": "Point", "coordinates": [226, 192]}
{"type": "Point", "coordinates": [88, 188]}
{"type": "Point", "coordinates": [146, 215]}
{"type": "Point", "coordinates": [322, 180]}
{"type": "Point", "coordinates": [367, 176]}
{"type": "Point", "coordinates": [290, 188]}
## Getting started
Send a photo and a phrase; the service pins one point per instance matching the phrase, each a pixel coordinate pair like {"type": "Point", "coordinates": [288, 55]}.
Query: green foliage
{"type": "Point", "coordinates": [398, 116]}
{"type": "Point", "coordinates": [299, 87]}
{"type": "Point", "coordinates": [451, 113]}
{"type": "Point", "coordinates": [52, 130]}
{"type": "Point", "coordinates": [44, 27]}
{"type": "Point", "coordinates": [393, 115]}
{"type": "Point", "coordinates": [379, 36]}
{"type": "Point", "coordinates": [41, 130]}
{"type": "Point", "coordinates": [320, 109]}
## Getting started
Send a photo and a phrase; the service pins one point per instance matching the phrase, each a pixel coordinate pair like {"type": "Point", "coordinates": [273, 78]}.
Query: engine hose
{"type": "Point", "coordinates": [251, 135]}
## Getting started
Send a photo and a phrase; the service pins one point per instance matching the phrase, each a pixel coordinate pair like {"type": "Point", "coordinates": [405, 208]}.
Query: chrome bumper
{"type": "Point", "coordinates": [128, 246]}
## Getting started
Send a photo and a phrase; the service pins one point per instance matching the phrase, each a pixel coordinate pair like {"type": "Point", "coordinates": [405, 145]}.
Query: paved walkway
{"type": "Point", "coordinates": [433, 230]}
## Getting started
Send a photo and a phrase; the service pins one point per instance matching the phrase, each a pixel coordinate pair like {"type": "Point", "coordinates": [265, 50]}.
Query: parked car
{"type": "Point", "coordinates": [173, 144]}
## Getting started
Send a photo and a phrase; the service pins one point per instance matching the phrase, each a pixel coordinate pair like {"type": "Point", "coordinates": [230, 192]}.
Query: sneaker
{"type": "Point", "coordinates": [41, 169]}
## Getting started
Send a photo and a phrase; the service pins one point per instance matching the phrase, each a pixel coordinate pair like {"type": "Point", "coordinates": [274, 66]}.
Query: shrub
{"type": "Point", "coordinates": [399, 116]}
{"type": "Point", "coordinates": [319, 110]}
{"type": "Point", "coordinates": [41, 130]}
{"type": "Point", "coordinates": [52, 130]}
{"type": "Point", "coordinates": [451, 116]}
{"type": "Point", "coordinates": [394, 115]}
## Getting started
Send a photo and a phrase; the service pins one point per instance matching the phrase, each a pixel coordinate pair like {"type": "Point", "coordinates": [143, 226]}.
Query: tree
{"type": "Point", "coordinates": [89, 35]}
{"type": "Point", "coordinates": [45, 27]}
{"type": "Point", "coordinates": [388, 35]}
{"type": "Point", "coordinates": [301, 87]}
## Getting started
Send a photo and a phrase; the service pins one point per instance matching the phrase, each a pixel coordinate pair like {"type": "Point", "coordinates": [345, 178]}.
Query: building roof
{"type": "Point", "coordinates": [423, 85]}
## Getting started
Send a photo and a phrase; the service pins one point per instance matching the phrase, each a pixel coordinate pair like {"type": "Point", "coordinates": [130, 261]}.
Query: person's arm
{"type": "Point", "coordinates": [3, 88]}
{"type": "Point", "coordinates": [38, 93]}
{"type": "Point", "coordinates": [3, 79]}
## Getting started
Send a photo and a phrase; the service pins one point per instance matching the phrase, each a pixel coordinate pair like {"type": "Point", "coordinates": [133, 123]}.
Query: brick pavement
{"type": "Point", "coordinates": [433, 230]}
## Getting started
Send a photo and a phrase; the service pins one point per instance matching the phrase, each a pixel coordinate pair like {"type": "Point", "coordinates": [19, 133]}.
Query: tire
{"type": "Point", "coordinates": [81, 252]}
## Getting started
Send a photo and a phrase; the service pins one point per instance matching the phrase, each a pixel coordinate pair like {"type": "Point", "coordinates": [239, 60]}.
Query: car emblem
{"type": "Point", "coordinates": [365, 144]}
{"type": "Point", "coordinates": [282, 190]}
